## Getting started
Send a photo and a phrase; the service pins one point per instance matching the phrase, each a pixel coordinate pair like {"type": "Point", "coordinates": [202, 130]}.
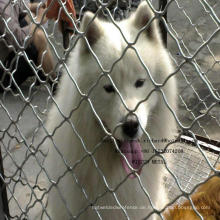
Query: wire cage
{"type": "Point", "coordinates": [190, 31]}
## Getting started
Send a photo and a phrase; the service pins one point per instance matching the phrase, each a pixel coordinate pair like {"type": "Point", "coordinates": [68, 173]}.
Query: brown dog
{"type": "Point", "coordinates": [206, 200]}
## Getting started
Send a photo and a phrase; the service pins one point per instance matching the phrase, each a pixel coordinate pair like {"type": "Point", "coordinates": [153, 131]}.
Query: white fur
{"type": "Point", "coordinates": [154, 116]}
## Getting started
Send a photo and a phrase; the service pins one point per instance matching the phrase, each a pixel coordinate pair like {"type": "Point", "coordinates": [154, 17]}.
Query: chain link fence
{"type": "Point", "coordinates": [193, 43]}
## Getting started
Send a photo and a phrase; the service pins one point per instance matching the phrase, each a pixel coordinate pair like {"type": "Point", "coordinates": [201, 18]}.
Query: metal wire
{"type": "Point", "coordinates": [198, 111]}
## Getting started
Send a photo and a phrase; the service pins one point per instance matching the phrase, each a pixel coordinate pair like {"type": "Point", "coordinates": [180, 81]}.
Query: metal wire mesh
{"type": "Point", "coordinates": [193, 42]}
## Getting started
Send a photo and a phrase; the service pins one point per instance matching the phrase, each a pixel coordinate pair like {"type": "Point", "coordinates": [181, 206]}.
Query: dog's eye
{"type": "Point", "coordinates": [139, 83]}
{"type": "Point", "coordinates": [109, 88]}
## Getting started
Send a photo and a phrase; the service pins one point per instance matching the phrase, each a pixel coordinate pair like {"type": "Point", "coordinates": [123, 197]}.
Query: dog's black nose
{"type": "Point", "coordinates": [130, 127]}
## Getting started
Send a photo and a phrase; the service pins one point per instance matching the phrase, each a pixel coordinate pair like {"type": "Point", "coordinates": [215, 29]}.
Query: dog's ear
{"type": "Point", "coordinates": [142, 16]}
{"type": "Point", "coordinates": [92, 29]}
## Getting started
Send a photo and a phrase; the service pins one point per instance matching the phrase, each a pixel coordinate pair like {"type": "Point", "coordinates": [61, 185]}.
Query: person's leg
{"type": "Point", "coordinates": [45, 57]}
{"type": "Point", "coordinates": [16, 71]}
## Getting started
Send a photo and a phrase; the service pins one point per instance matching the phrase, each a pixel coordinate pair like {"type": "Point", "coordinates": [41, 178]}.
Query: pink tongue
{"type": "Point", "coordinates": [133, 153]}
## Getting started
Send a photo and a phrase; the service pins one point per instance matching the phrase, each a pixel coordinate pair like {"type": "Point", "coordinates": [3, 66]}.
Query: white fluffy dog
{"type": "Point", "coordinates": [111, 104]}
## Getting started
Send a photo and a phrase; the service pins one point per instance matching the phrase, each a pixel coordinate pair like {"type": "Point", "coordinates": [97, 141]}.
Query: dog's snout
{"type": "Point", "coordinates": [130, 128]}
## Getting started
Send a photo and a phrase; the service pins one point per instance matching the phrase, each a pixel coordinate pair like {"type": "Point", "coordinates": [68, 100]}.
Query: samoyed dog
{"type": "Point", "coordinates": [114, 101]}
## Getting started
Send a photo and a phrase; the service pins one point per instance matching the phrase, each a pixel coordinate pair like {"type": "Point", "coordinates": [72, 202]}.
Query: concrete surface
{"type": "Point", "coordinates": [20, 120]}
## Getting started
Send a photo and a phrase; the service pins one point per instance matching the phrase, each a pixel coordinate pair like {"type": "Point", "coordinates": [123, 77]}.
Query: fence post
{"type": "Point", "coordinates": [4, 210]}
{"type": "Point", "coordinates": [162, 5]}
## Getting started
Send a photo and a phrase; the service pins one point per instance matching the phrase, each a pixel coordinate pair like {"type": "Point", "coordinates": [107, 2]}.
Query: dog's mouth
{"type": "Point", "coordinates": [133, 152]}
